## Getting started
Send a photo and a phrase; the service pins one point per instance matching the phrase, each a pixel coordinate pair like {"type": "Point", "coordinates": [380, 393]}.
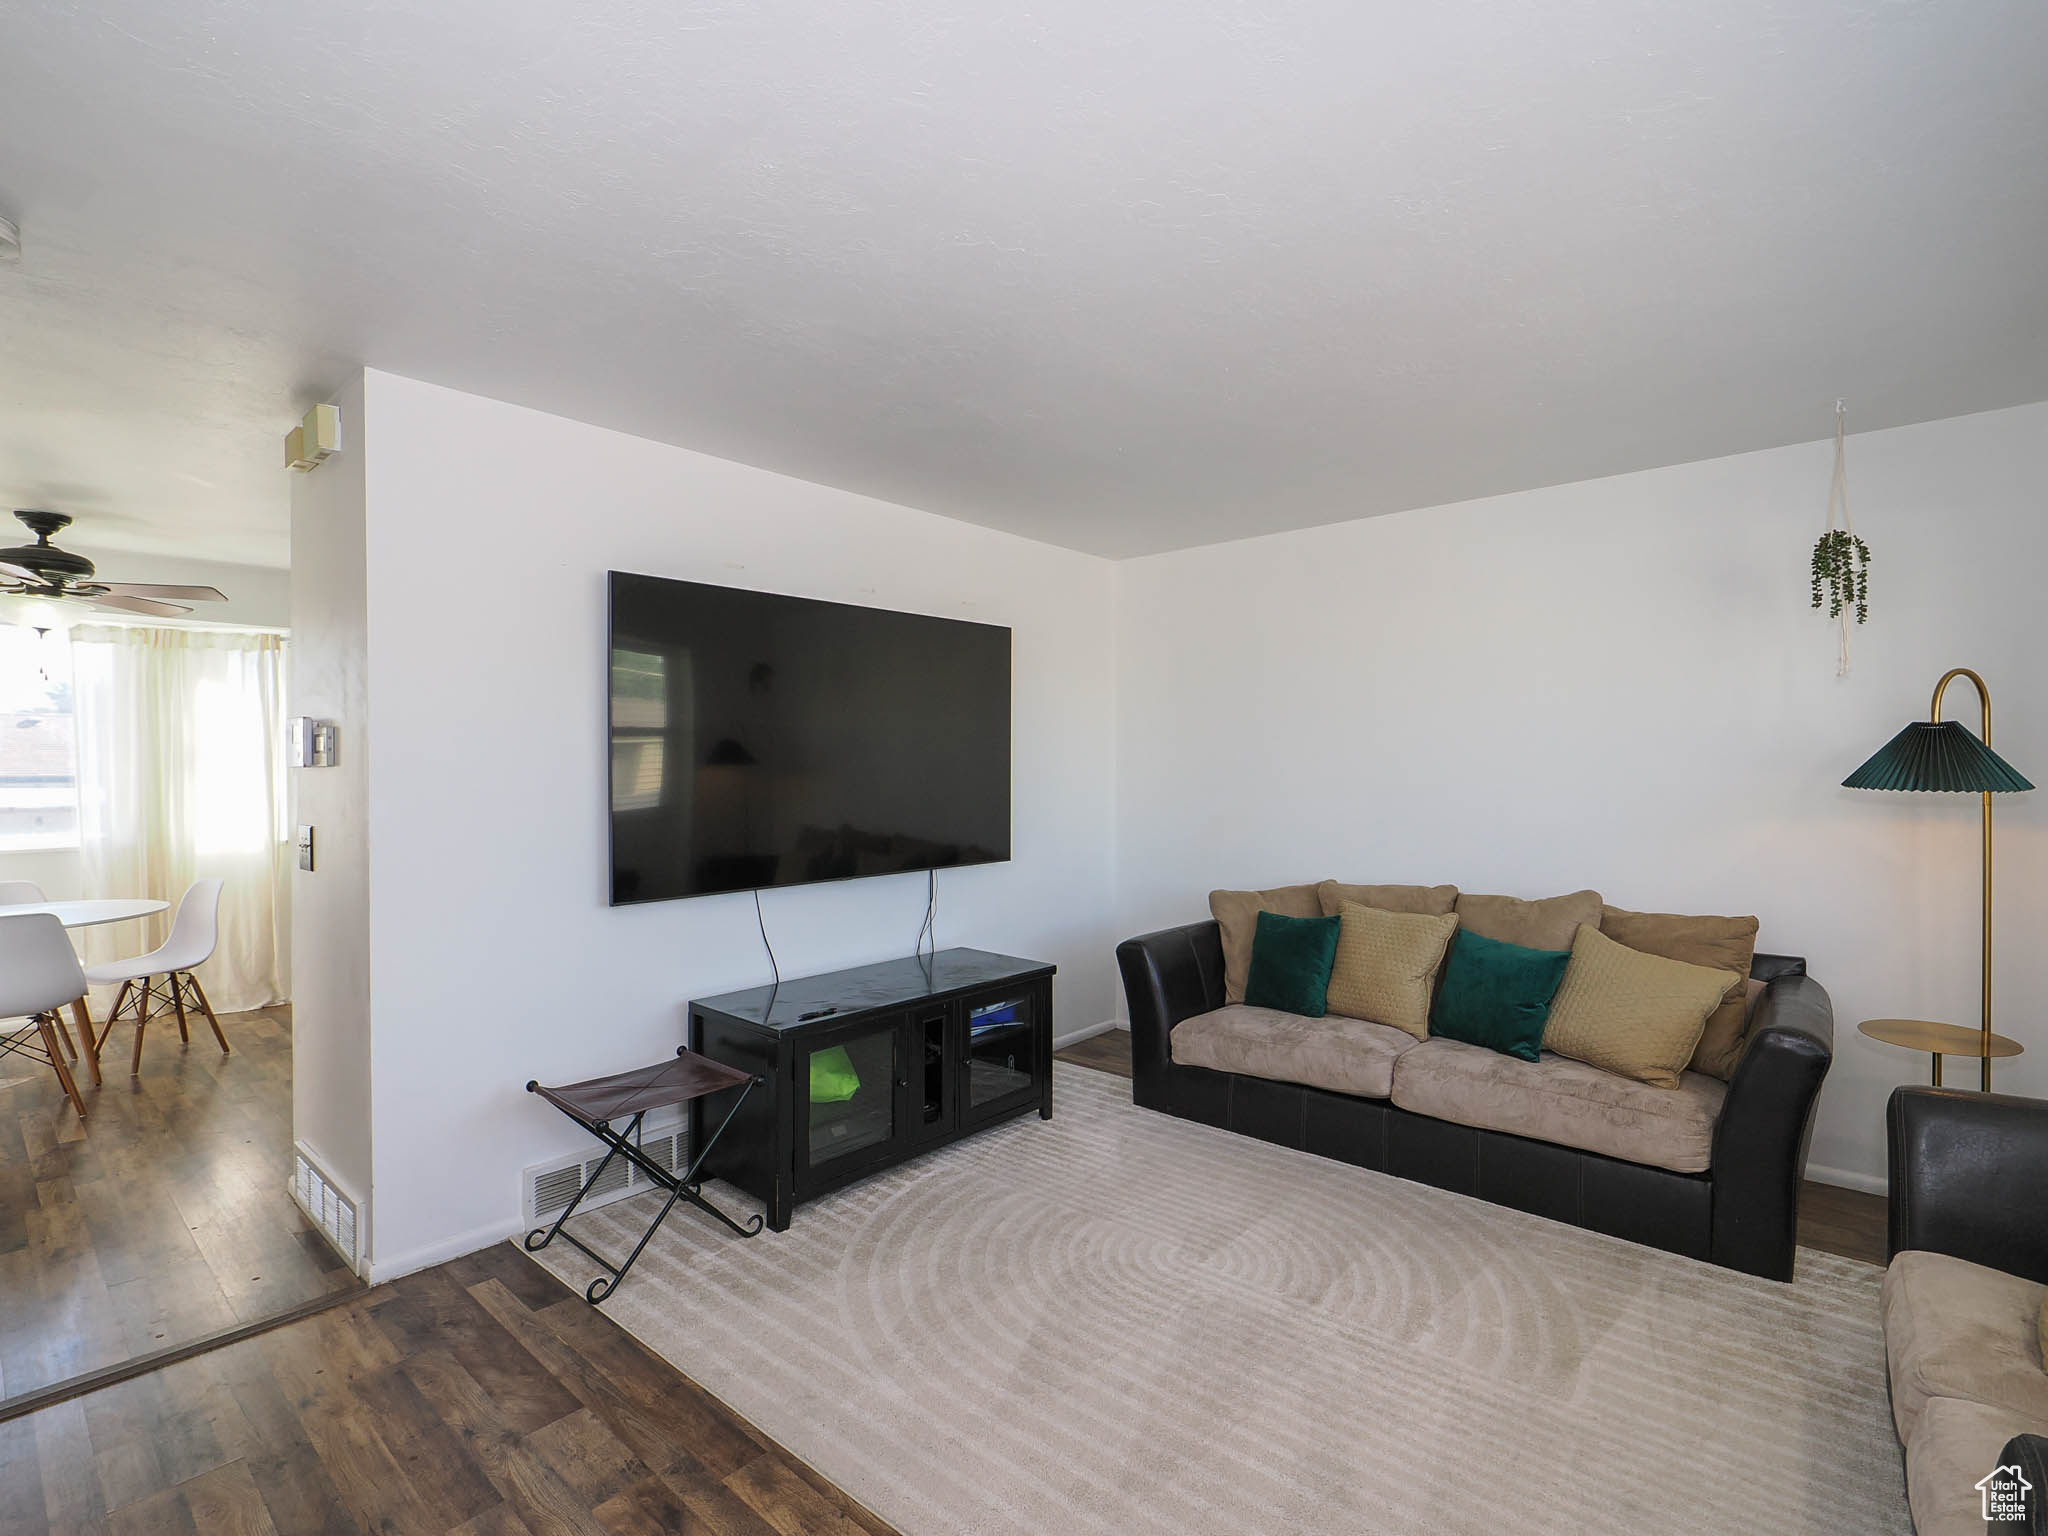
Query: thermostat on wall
{"type": "Point", "coordinates": [310, 743]}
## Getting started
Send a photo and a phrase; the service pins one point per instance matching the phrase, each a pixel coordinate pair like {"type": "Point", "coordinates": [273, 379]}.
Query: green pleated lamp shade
{"type": "Point", "coordinates": [1938, 755]}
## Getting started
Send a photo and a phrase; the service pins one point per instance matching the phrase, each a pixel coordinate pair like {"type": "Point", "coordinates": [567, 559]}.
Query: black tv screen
{"type": "Point", "coordinates": [760, 740]}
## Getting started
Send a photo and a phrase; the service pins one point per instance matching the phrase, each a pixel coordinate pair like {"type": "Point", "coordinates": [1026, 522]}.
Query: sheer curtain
{"type": "Point", "coordinates": [181, 776]}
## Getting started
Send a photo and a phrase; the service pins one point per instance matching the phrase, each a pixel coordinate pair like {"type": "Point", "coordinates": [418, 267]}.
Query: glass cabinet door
{"type": "Point", "coordinates": [1002, 1051]}
{"type": "Point", "coordinates": [849, 1097]}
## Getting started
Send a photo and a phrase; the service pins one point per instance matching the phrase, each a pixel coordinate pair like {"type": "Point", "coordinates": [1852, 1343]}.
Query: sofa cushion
{"type": "Point", "coordinates": [1428, 900]}
{"type": "Point", "coordinates": [1567, 1102]}
{"type": "Point", "coordinates": [1291, 960]}
{"type": "Point", "coordinates": [1957, 1329]}
{"type": "Point", "coordinates": [1343, 1055]}
{"type": "Point", "coordinates": [1632, 1013]}
{"type": "Point", "coordinates": [1955, 1444]}
{"type": "Point", "coordinates": [1546, 924]}
{"type": "Point", "coordinates": [1720, 944]}
{"type": "Point", "coordinates": [1386, 966]}
{"type": "Point", "coordinates": [1237, 919]}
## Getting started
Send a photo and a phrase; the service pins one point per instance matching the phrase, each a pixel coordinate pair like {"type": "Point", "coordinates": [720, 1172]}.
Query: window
{"type": "Point", "coordinates": [38, 743]}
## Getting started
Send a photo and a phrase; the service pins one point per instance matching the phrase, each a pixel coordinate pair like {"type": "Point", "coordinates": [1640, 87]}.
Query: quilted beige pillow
{"type": "Point", "coordinates": [1548, 924]}
{"type": "Point", "coordinates": [1237, 915]}
{"type": "Point", "coordinates": [1386, 966]}
{"type": "Point", "coordinates": [1718, 943]}
{"type": "Point", "coordinates": [1430, 900]}
{"type": "Point", "coordinates": [1624, 1011]}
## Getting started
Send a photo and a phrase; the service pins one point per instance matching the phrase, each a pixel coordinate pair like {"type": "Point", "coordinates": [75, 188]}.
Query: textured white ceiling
{"type": "Point", "coordinates": [1120, 274]}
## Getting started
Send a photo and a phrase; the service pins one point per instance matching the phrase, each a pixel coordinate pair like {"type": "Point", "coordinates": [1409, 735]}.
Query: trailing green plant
{"type": "Point", "coordinates": [1841, 574]}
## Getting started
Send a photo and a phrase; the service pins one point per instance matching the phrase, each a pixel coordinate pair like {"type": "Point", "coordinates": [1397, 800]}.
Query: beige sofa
{"type": "Point", "coordinates": [1710, 1170]}
{"type": "Point", "coordinates": [1963, 1295]}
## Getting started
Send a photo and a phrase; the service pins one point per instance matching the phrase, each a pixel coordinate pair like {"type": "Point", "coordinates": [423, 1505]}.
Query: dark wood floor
{"type": "Point", "coordinates": [1842, 1221]}
{"type": "Point", "coordinates": [161, 1217]}
{"type": "Point", "coordinates": [481, 1398]}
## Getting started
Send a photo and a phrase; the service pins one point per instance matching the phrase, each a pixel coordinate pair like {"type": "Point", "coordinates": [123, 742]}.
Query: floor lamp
{"type": "Point", "coordinates": [1939, 755]}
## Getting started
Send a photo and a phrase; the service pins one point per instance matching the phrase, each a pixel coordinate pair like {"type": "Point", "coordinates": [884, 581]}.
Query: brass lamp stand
{"type": "Point", "coordinates": [1940, 755]}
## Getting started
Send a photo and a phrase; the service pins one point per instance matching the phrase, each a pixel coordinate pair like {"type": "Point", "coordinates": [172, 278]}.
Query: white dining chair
{"type": "Point", "coordinates": [14, 893]}
{"type": "Point", "coordinates": [163, 977]}
{"type": "Point", "coordinates": [38, 975]}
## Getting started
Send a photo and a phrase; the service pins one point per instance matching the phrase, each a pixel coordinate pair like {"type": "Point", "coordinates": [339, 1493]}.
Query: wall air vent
{"type": "Point", "coordinates": [325, 1205]}
{"type": "Point", "coordinates": [549, 1187]}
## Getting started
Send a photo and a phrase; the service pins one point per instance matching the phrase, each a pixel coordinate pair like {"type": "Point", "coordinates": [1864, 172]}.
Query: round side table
{"type": "Point", "coordinates": [1941, 1040]}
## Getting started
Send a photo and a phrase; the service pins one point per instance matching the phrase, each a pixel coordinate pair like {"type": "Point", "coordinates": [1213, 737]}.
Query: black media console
{"type": "Point", "coordinates": [866, 1068]}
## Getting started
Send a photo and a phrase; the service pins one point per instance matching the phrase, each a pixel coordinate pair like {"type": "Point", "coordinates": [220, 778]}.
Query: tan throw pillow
{"type": "Point", "coordinates": [1386, 966]}
{"type": "Point", "coordinates": [1548, 924]}
{"type": "Point", "coordinates": [1718, 943]}
{"type": "Point", "coordinates": [1237, 914]}
{"type": "Point", "coordinates": [1429, 900]}
{"type": "Point", "coordinates": [1624, 1011]}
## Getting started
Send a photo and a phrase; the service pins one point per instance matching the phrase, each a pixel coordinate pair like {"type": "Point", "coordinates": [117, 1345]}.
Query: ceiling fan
{"type": "Point", "coordinates": [42, 569]}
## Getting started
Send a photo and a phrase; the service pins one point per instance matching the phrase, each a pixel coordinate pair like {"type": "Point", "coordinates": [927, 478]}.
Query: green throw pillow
{"type": "Point", "coordinates": [833, 1080]}
{"type": "Point", "coordinates": [1496, 994]}
{"type": "Point", "coordinates": [1291, 960]}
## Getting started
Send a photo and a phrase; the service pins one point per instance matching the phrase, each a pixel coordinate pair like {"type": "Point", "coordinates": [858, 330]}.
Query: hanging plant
{"type": "Point", "coordinates": [1841, 574]}
{"type": "Point", "coordinates": [1841, 561]}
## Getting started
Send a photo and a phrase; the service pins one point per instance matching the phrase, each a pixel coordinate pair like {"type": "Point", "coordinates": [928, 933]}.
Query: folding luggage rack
{"type": "Point", "coordinates": [597, 1104]}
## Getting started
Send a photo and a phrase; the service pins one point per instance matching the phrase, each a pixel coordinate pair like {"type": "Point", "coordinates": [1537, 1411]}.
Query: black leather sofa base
{"type": "Point", "coordinates": [1742, 1214]}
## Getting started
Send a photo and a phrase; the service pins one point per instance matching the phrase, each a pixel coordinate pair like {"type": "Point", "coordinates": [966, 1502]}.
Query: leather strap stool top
{"type": "Point", "coordinates": [599, 1099]}
{"type": "Point", "coordinates": [596, 1103]}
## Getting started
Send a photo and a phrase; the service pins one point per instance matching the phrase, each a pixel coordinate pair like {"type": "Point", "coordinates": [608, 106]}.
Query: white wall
{"type": "Point", "coordinates": [496, 958]}
{"type": "Point", "coordinates": [1619, 684]}
{"type": "Point", "coordinates": [331, 1039]}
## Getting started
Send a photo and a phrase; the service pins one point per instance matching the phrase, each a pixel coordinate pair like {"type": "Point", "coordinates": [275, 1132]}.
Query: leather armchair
{"type": "Point", "coordinates": [1967, 1171]}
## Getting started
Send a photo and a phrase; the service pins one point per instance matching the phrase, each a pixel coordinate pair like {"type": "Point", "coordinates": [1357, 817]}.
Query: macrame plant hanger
{"type": "Point", "coordinates": [1838, 501]}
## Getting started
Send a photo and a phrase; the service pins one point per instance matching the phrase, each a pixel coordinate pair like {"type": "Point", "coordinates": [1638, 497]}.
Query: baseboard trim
{"type": "Point", "coordinates": [1842, 1178]}
{"type": "Point", "coordinates": [429, 1254]}
{"type": "Point", "coordinates": [1085, 1032]}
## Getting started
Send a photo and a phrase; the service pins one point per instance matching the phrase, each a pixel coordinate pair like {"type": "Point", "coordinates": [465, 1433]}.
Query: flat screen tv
{"type": "Point", "coordinates": [760, 740]}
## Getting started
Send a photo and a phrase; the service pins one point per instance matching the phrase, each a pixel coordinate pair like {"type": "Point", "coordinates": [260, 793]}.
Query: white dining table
{"type": "Point", "coordinates": [88, 914]}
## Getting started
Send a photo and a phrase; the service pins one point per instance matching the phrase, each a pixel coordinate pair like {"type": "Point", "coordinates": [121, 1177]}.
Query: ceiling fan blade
{"type": "Point", "coordinates": [158, 590]}
{"type": "Point", "coordinates": [20, 573]}
{"type": "Point", "coordinates": [139, 605]}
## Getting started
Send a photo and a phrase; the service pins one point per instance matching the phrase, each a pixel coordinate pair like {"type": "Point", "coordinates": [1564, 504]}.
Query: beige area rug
{"type": "Point", "coordinates": [1120, 1322]}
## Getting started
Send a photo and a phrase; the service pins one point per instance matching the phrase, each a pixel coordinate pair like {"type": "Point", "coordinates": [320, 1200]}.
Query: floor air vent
{"type": "Point", "coordinates": [549, 1187]}
{"type": "Point", "coordinates": [333, 1212]}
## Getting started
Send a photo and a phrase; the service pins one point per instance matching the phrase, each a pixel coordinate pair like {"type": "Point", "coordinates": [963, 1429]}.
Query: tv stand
{"type": "Point", "coordinates": [863, 1069]}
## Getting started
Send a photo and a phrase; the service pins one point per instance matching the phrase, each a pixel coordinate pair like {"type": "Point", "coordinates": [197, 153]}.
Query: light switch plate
{"type": "Point", "coordinates": [305, 847]}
